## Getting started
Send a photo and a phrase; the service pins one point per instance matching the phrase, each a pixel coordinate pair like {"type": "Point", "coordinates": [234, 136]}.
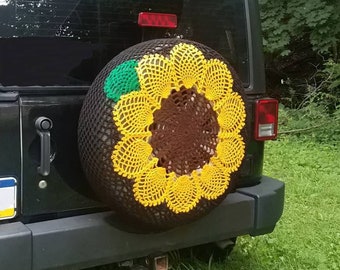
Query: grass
{"type": "Point", "coordinates": [308, 234]}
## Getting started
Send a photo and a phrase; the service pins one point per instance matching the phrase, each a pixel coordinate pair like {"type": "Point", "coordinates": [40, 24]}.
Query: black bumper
{"type": "Point", "coordinates": [87, 240]}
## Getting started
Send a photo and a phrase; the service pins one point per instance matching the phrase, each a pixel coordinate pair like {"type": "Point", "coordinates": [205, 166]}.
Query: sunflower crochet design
{"type": "Point", "coordinates": [180, 124]}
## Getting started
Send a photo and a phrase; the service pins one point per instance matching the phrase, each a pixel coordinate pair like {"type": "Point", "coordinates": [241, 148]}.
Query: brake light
{"type": "Point", "coordinates": [149, 19]}
{"type": "Point", "coordinates": [266, 119]}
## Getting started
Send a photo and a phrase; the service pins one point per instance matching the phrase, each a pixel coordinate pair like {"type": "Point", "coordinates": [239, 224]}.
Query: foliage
{"type": "Point", "coordinates": [286, 22]}
{"type": "Point", "coordinates": [331, 76]}
{"type": "Point", "coordinates": [302, 46]}
{"type": "Point", "coordinates": [317, 116]}
{"type": "Point", "coordinates": [310, 123]}
{"type": "Point", "coordinates": [323, 89]}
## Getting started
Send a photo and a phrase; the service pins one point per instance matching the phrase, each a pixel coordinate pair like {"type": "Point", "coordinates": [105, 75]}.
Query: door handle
{"type": "Point", "coordinates": [43, 126]}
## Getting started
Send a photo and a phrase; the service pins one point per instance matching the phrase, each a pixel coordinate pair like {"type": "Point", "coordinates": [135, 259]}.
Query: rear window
{"type": "Point", "coordinates": [67, 42]}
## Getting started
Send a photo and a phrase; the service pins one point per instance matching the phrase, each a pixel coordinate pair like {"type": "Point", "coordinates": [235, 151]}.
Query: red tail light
{"type": "Point", "coordinates": [149, 19]}
{"type": "Point", "coordinates": [266, 119]}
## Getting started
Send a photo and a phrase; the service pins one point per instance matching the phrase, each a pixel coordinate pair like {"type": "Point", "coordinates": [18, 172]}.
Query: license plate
{"type": "Point", "coordinates": [8, 197]}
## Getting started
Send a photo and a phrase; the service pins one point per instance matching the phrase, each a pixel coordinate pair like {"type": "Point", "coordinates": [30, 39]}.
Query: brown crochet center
{"type": "Point", "coordinates": [184, 132]}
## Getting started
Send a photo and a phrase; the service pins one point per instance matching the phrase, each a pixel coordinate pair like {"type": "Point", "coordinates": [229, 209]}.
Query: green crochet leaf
{"type": "Point", "coordinates": [122, 80]}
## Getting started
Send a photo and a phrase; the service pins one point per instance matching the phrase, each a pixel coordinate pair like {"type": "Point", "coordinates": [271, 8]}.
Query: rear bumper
{"type": "Point", "coordinates": [87, 240]}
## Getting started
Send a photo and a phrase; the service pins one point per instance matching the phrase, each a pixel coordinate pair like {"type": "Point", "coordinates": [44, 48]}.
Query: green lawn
{"type": "Point", "coordinates": [308, 234]}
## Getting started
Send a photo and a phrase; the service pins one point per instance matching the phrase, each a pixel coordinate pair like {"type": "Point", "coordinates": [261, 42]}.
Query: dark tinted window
{"type": "Point", "coordinates": [67, 42]}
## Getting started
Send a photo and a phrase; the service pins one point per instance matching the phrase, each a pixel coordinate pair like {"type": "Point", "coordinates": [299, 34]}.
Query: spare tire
{"type": "Point", "coordinates": [161, 132]}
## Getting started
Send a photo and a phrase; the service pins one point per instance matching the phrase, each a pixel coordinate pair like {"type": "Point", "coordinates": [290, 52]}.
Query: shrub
{"type": "Point", "coordinates": [312, 123]}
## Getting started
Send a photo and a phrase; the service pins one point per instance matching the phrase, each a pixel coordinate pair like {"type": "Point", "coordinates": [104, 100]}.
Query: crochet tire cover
{"type": "Point", "coordinates": [162, 132]}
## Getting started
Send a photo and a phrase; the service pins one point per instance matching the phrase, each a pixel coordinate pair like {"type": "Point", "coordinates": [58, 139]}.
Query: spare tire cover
{"type": "Point", "coordinates": [161, 132]}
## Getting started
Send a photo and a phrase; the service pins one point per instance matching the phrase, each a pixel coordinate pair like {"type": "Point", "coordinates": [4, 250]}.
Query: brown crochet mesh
{"type": "Point", "coordinates": [184, 132]}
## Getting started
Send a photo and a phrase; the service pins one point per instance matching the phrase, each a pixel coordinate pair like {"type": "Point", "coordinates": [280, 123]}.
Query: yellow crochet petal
{"type": "Point", "coordinates": [133, 114]}
{"type": "Point", "coordinates": [213, 180]}
{"type": "Point", "coordinates": [230, 151]}
{"type": "Point", "coordinates": [183, 194]}
{"type": "Point", "coordinates": [217, 82]}
{"type": "Point", "coordinates": [232, 115]}
{"type": "Point", "coordinates": [189, 64]}
{"type": "Point", "coordinates": [130, 156]}
{"type": "Point", "coordinates": [150, 186]}
{"type": "Point", "coordinates": [155, 76]}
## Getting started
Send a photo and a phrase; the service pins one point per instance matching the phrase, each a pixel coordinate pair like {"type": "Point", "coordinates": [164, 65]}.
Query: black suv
{"type": "Point", "coordinates": [72, 77]}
